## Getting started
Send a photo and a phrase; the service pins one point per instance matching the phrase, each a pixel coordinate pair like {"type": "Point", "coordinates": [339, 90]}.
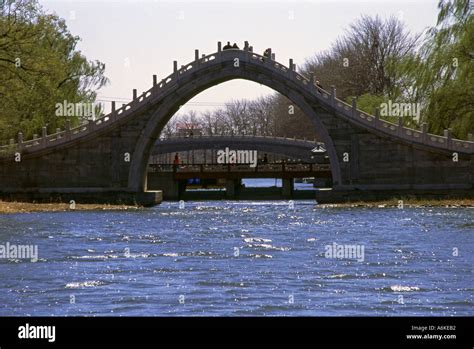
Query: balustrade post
{"type": "Point", "coordinates": [400, 125]}
{"type": "Point", "coordinates": [68, 129]}
{"type": "Point", "coordinates": [333, 94]}
{"type": "Point", "coordinates": [44, 134]}
{"type": "Point", "coordinates": [20, 140]}
{"type": "Point", "coordinates": [354, 107]}
{"type": "Point", "coordinates": [268, 60]}
{"type": "Point", "coordinates": [447, 135]}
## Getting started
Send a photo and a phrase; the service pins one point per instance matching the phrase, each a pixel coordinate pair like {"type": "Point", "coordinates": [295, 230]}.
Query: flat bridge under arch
{"type": "Point", "coordinates": [286, 147]}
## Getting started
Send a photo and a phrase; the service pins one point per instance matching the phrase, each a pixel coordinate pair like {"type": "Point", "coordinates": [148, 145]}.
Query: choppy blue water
{"type": "Point", "coordinates": [240, 258]}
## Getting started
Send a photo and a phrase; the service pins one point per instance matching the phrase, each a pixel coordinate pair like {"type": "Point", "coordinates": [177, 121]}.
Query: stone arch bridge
{"type": "Point", "coordinates": [106, 159]}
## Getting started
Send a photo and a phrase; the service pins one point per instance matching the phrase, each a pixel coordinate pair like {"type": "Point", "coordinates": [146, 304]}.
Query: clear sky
{"type": "Point", "coordinates": [136, 39]}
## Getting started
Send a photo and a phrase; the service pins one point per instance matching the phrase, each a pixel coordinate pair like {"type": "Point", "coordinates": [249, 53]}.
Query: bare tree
{"type": "Point", "coordinates": [364, 59]}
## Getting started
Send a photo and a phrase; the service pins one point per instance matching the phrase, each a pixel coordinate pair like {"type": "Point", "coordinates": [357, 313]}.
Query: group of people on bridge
{"type": "Point", "coordinates": [266, 54]}
{"type": "Point", "coordinates": [228, 46]}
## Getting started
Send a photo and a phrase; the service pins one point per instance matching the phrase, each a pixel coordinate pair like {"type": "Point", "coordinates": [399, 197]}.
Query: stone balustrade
{"type": "Point", "coordinates": [168, 84]}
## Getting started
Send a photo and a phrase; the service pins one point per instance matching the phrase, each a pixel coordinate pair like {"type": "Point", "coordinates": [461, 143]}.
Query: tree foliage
{"type": "Point", "coordinates": [40, 67]}
{"type": "Point", "coordinates": [443, 71]}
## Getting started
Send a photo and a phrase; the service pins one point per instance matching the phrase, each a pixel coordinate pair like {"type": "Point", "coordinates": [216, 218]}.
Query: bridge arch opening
{"type": "Point", "coordinates": [203, 79]}
{"type": "Point", "coordinates": [263, 122]}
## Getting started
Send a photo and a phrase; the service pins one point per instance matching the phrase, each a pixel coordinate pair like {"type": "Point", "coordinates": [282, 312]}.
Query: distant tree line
{"type": "Point", "coordinates": [273, 115]}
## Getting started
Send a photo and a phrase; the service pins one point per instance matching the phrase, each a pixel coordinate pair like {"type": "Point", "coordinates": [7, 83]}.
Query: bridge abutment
{"type": "Point", "coordinates": [232, 188]}
{"type": "Point", "coordinates": [287, 188]}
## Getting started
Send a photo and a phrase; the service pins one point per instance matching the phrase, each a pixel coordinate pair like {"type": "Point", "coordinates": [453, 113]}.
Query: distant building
{"type": "Point", "coordinates": [188, 129]}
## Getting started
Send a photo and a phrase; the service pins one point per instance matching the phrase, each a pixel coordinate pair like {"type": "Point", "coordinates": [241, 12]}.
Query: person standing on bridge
{"type": "Point", "coordinates": [319, 86]}
{"type": "Point", "coordinates": [176, 162]}
{"type": "Point", "coordinates": [228, 46]}
{"type": "Point", "coordinates": [267, 53]}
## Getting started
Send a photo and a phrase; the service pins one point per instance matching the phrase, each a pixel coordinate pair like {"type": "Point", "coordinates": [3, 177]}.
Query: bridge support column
{"type": "Point", "coordinates": [232, 188]}
{"type": "Point", "coordinates": [181, 187]}
{"type": "Point", "coordinates": [171, 188]}
{"type": "Point", "coordinates": [287, 187]}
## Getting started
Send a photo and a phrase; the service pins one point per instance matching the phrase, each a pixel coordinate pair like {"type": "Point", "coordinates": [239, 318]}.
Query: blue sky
{"type": "Point", "coordinates": [136, 39]}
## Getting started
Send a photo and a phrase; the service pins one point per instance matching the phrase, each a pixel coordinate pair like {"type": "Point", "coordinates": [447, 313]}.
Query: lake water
{"type": "Point", "coordinates": [241, 258]}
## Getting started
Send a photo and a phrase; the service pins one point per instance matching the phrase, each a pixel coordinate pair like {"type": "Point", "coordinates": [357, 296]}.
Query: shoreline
{"type": "Point", "coordinates": [28, 207]}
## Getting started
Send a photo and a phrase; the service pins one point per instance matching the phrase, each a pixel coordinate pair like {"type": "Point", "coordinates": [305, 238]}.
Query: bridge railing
{"type": "Point", "coordinates": [406, 133]}
{"type": "Point", "coordinates": [233, 136]}
{"type": "Point", "coordinates": [60, 137]}
{"type": "Point", "coordinates": [168, 84]}
{"type": "Point", "coordinates": [213, 168]}
{"type": "Point", "coordinates": [370, 121]}
{"type": "Point", "coordinates": [397, 130]}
